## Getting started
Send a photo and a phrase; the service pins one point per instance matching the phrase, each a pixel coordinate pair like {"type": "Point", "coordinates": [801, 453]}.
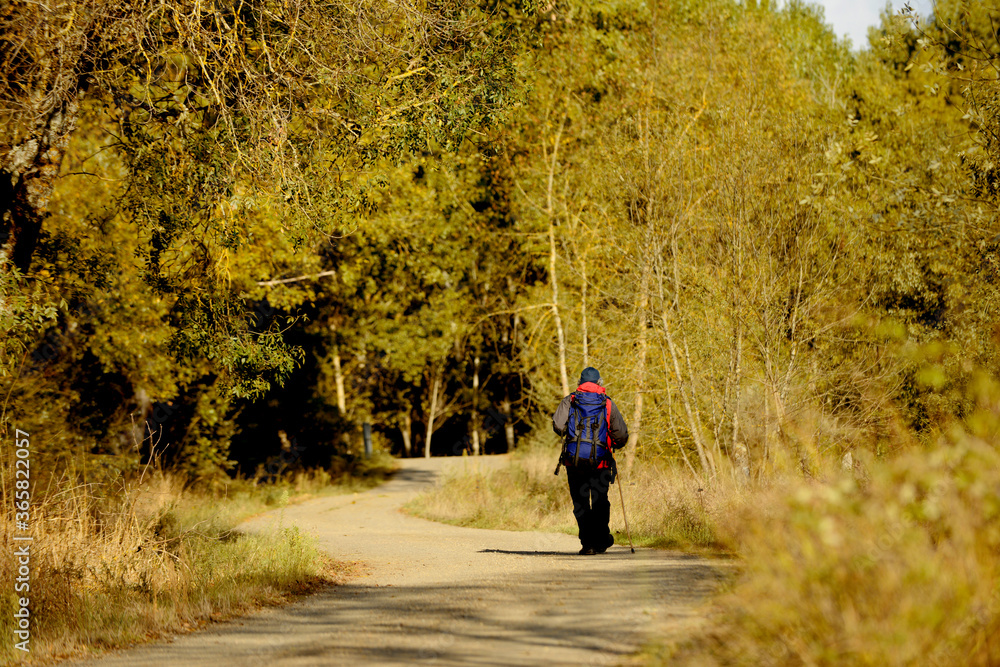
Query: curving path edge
{"type": "Point", "coordinates": [443, 595]}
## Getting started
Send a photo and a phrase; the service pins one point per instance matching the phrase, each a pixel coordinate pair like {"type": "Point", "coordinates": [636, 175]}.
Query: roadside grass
{"type": "Point", "coordinates": [893, 562]}
{"type": "Point", "coordinates": [131, 561]}
{"type": "Point", "coordinates": [666, 507]}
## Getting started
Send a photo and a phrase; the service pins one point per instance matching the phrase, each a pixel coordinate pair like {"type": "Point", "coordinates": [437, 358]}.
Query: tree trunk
{"type": "Point", "coordinates": [583, 312]}
{"type": "Point", "coordinates": [737, 392]}
{"type": "Point", "coordinates": [739, 452]}
{"type": "Point", "coordinates": [560, 335]}
{"type": "Point", "coordinates": [508, 425]}
{"type": "Point", "coordinates": [338, 376]}
{"type": "Point", "coordinates": [405, 431]}
{"type": "Point", "coordinates": [707, 465]}
{"type": "Point", "coordinates": [765, 457]}
{"type": "Point", "coordinates": [435, 388]}
{"type": "Point", "coordinates": [475, 406]}
{"type": "Point", "coordinates": [550, 204]}
{"type": "Point", "coordinates": [139, 425]}
{"type": "Point", "coordinates": [633, 436]}
{"type": "Point", "coordinates": [651, 240]}
{"type": "Point", "coordinates": [28, 175]}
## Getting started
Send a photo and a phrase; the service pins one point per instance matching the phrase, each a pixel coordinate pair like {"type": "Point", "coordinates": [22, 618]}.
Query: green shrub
{"type": "Point", "coordinates": [898, 567]}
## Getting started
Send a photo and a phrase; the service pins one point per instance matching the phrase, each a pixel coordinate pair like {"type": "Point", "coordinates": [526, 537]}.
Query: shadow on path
{"type": "Point", "coordinates": [528, 553]}
{"type": "Point", "coordinates": [416, 477]}
{"type": "Point", "coordinates": [495, 622]}
{"type": "Point", "coordinates": [451, 596]}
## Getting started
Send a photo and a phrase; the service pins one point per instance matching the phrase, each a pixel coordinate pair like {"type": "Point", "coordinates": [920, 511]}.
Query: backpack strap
{"type": "Point", "coordinates": [579, 434]}
{"type": "Point", "coordinates": [607, 417]}
{"type": "Point", "coordinates": [562, 453]}
{"type": "Point", "coordinates": [595, 426]}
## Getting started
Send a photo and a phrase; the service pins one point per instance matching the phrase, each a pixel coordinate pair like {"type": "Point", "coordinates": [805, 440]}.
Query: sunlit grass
{"type": "Point", "coordinates": [897, 563]}
{"type": "Point", "coordinates": [125, 563]}
{"type": "Point", "coordinates": [888, 562]}
{"type": "Point", "coordinates": [666, 508]}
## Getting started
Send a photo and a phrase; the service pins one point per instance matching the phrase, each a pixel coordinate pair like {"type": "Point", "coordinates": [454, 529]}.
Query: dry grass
{"type": "Point", "coordinates": [893, 562]}
{"type": "Point", "coordinates": [900, 566]}
{"type": "Point", "coordinates": [122, 563]}
{"type": "Point", "coordinates": [666, 507]}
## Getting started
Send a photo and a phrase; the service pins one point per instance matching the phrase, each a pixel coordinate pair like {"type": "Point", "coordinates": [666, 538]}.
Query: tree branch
{"type": "Point", "coordinates": [283, 281]}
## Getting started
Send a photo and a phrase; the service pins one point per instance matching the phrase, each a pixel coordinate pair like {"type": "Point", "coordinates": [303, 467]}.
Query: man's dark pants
{"type": "Point", "coordinates": [589, 489]}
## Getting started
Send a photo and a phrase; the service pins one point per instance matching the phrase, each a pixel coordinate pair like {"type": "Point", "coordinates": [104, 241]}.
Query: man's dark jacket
{"type": "Point", "coordinates": [617, 430]}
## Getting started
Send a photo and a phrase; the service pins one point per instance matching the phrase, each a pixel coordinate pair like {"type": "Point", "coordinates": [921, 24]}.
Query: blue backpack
{"type": "Point", "coordinates": [586, 429]}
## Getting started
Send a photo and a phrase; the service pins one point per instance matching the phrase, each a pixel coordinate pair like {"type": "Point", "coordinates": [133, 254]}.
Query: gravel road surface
{"type": "Point", "coordinates": [442, 595]}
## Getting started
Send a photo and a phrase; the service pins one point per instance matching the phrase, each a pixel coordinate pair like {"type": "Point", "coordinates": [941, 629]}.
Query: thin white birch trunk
{"type": "Point", "coordinates": [636, 423]}
{"type": "Point", "coordinates": [550, 210]}
{"type": "Point", "coordinates": [508, 425]}
{"type": "Point", "coordinates": [583, 312]}
{"type": "Point", "coordinates": [338, 377]}
{"type": "Point", "coordinates": [406, 432]}
{"type": "Point", "coordinates": [475, 406]}
{"type": "Point", "coordinates": [435, 388]}
{"type": "Point", "coordinates": [737, 388]}
{"type": "Point", "coordinates": [707, 464]}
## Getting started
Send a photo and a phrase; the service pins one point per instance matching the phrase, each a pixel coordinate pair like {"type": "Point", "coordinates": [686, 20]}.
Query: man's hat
{"type": "Point", "coordinates": [590, 374]}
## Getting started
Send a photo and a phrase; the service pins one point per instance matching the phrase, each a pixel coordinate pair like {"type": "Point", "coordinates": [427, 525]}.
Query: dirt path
{"type": "Point", "coordinates": [443, 595]}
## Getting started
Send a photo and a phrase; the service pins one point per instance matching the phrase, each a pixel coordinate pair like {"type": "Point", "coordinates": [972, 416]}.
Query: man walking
{"type": "Point", "coordinates": [591, 427]}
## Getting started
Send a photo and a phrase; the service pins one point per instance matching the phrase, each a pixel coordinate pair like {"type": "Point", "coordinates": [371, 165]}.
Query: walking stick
{"type": "Point", "coordinates": [621, 495]}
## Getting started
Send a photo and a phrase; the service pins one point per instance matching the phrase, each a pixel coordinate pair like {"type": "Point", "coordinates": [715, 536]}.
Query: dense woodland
{"type": "Point", "coordinates": [234, 232]}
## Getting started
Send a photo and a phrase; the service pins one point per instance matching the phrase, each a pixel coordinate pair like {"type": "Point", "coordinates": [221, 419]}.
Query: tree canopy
{"type": "Point", "coordinates": [225, 221]}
